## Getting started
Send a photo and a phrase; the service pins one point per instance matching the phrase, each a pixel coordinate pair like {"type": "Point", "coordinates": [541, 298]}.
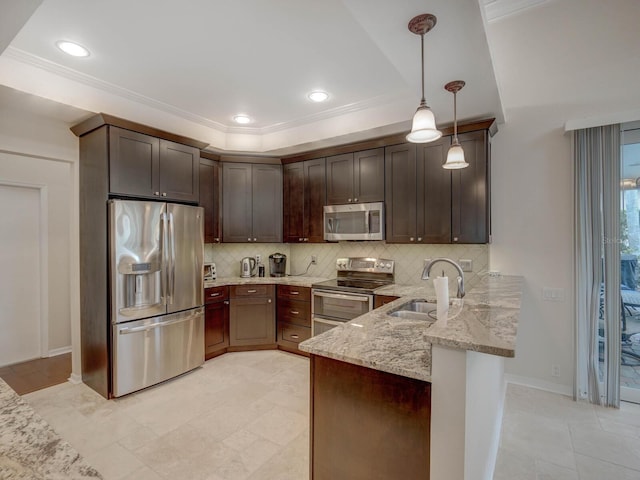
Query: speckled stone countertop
{"type": "Point", "coordinates": [30, 449]}
{"type": "Point", "coordinates": [300, 281]}
{"type": "Point", "coordinates": [486, 321]}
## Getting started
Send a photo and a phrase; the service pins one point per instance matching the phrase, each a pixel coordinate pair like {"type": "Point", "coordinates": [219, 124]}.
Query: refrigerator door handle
{"type": "Point", "coordinates": [163, 255]}
{"type": "Point", "coordinates": [146, 328]}
{"type": "Point", "coordinates": [172, 259]}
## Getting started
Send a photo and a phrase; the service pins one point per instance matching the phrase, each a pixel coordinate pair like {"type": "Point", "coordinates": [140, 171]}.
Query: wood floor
{"type": "Point", "coordinates": [37, 374]}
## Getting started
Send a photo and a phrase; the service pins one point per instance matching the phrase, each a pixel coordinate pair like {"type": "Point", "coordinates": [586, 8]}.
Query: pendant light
{"type": "Point", "coordinates": [455, 155]}
{"type": "Point", "coordinates": [423, 129]}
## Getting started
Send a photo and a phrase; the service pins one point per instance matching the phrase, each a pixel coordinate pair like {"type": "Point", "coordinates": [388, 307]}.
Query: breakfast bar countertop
{"type": "Point", "coordinates": [30, 448]}
{"type": "Point", "coordinates": [486, 321]}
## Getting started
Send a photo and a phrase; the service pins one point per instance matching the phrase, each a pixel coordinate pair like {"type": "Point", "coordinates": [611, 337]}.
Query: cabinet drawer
{"type": "Point", "coordinates": [292, 335]}
{"type": "Point", "coordinates": [294, 311]}
{"type": "Point", "coordinates": [251, 291]}
{"type": "Point", "coordinates": [216, 294]}
{"type": "Point", "coordinates": [295, 293]}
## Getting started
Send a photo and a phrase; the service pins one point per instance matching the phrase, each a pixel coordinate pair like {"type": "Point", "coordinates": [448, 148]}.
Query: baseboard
{"type": "Point", "coordinates": [539, 384]}
{"type": "Point", "coordinates": [75, 378]}
{"type": "Point", "coordinates": [59, 351]}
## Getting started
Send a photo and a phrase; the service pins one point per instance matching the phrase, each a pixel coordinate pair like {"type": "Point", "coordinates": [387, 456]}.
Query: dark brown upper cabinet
{"type": "Point", "coordinates": [141, 165]}
{"type": "Point", "coordinates": [251, 203]}
{"type": "Point", "coordinates": [210, 199]}
{"type": "Point", "coordinates": [418, 193]}
{"type": "Point", "coordinates": [470, 191]}
{"type": "Point", "coordinates": [426, 203]}
{"type": "Point", "coordinates": [304, 199]}
{"type": "Point", "coordinates": [356, 177]}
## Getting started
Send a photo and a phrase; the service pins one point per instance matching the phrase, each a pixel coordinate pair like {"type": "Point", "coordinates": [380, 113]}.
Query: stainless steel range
{"type": "Point", "coordinates": [351, 293]}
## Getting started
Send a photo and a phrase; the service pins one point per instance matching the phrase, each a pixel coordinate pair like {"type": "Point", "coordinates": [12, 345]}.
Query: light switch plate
{"type": "Point", "coordinates": [553, 294]}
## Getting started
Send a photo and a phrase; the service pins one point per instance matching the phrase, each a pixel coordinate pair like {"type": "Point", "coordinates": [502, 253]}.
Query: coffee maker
{"type": "Point", "coordinates": [277, 264]}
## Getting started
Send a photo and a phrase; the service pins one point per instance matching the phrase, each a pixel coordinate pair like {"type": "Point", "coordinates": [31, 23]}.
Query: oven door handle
{"type": "Point", "coordinates": [328, 322]}
{"type": "Point", "coordinates": [358, 298]}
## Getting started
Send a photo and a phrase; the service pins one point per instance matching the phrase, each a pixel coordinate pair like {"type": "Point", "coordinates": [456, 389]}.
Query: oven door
{"type": "Point", "coordinates": [331, 308]}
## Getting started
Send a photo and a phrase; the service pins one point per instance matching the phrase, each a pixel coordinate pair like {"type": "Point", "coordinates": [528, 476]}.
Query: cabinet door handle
{"type": "Point", "coordinates": [455, 239]}
{"type": "Point", "coordinates": [251, 291]}
{"type": "Point", "coordinates": [300, 239]}
{"type": "Point", "coordinates": [217, 240]}
{"type": "Point", "coordinates": [411, 239]}
{"type": "Point", "coordinates": [294, 293]}
{"type": "Point", "coordinates": [355, 199]}
{"type": "Point", "coordinates": [306, 239]}
{"type": "Point", "coordinates": [348, 200]}
{"type": "Point", "coordinates": [226, 302]}
{"type": "Point", "coordinates": [156, 193]}
{"type": "Point", "coordinates": [215, 294]}
{"type": "Point", "coordinates": [269, 300]}
{"type": "Point", "coordinates": [295, 312]}
{"type": "Point", "coordinates": [248, 239]}
{"type": "Point", "coordinates": [164, 194]}
{"type": "Point", "coordinates": [294, 335]}
{"type": "Point", "coordinates": [419, 239]}
{"type": "Point", "coordinates": [255, 239]}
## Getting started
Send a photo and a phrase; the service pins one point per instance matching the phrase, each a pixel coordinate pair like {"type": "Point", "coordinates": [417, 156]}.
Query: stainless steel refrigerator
{"type": "Point", "coordinates": [156, 253]}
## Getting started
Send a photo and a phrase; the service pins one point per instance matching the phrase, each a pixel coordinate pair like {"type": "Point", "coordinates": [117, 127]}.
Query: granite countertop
{"type": "Point", "coordinates": [29, 447]}
{"type": "Point", "coordinates": [301, 281]}
{"type": "Point", "coordinates": [486, 321]}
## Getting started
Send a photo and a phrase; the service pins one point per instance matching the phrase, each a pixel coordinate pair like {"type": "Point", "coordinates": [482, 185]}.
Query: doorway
{"type": "Point", "coordinates": [629, 258]}
{"type": "Point", "coordinates": [21, 257]}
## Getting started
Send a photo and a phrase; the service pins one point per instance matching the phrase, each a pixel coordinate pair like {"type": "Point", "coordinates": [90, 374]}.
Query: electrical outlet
{"type": "Point", "coordinates": [466, 265]}
{"type": "Point", "coordinates": [314, 259]}
{"type": "Point", "coordinates": [259, 258]}
{"type": "Point", "coordinates": [555, 370]}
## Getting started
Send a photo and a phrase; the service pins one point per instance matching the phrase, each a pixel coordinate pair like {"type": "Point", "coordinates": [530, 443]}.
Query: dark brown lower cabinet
{"type": "Point", "coordinates": [367, 424]}
{"type": "Point", "coordinates": [380, 300]}
{"type": "Point", "coordinates": [252, 316]}
{"type": "Point", "coordinates": [216, 321]}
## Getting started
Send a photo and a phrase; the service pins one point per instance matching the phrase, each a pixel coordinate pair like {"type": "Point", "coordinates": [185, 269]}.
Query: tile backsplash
{"type": "Point", "coordinates": [409, 259]}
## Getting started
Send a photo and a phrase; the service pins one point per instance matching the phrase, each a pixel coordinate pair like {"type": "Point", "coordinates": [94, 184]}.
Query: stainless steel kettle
{"type": "Point", "coordinates": [248, 267]}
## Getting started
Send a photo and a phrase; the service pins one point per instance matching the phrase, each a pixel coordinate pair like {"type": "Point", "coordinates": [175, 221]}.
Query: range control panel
{"type": "Point", "coordinates": [365, 264]}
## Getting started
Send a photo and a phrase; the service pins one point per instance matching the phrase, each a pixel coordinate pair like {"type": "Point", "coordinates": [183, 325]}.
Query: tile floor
{"type": "Point", "coordinates": [245, 416]}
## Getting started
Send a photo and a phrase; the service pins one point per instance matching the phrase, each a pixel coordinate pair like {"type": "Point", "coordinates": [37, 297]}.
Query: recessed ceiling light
{"type": "Point", "coordinates": [318, 96]}
{"type": "Point", "coordinates": [242, 119]}
{"type": "Point", "coordinates": [72, 48]}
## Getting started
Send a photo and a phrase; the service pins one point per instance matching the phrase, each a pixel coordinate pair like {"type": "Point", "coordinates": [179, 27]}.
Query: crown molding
{"type": "Point", "coordinates": [497, 9]}
{"type": "Point", "coordinates": [76, 76]}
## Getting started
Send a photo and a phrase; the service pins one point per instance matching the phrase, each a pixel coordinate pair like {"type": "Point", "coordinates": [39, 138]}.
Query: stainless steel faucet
{"type": "Point", "coordinates": [427, 270]}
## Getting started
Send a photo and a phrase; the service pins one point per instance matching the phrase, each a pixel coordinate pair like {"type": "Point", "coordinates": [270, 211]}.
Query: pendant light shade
{"type": "Point", "coordinates": [423, 129]}
{"type": "Point", "coordinates": [455, 155]}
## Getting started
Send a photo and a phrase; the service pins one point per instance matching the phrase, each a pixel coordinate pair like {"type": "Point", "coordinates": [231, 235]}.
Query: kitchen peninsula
{"type": "Point", "coordinates": [442, 385]}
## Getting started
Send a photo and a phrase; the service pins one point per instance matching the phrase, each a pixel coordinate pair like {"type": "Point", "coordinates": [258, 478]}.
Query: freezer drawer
{"type": "Point", "coordinates": [146, 352]}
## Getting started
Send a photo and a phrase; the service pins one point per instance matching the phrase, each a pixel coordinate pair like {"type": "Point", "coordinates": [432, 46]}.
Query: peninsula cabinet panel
{"type": "Point", "coordinates": [434, 192]}
{"type": "Point", "coordinates": [401, 198]}
{"type": "Point", "coordinates": [304, 193]}
{"type": "Point", "coordinates": [470, 191]}
{"type": "Point", "coordinates": [134, 163]}
{"type": "Point", "coordinates": [368, 424]}
{"type": "Point", "coordinates": [356, 177]}
{"type": "Point", "coordinates": [210, 199]}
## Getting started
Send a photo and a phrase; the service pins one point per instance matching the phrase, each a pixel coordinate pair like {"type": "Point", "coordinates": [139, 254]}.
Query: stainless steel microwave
{"type": "Point", "coordinates": [357, 221]}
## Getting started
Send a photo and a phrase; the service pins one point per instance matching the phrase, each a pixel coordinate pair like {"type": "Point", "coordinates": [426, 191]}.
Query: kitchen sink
{"type": "Point", "coordinates": [418, 309]}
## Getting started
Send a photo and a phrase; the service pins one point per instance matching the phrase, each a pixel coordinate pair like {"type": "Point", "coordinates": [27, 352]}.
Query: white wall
{"type": "Point", "coordinates": [37, 148]}
{"type": "Point", "coordinates": [532, 236]}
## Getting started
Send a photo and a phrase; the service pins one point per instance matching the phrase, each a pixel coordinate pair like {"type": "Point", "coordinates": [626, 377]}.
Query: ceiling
{"type": "Point", "coordinates": [189, 67]}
